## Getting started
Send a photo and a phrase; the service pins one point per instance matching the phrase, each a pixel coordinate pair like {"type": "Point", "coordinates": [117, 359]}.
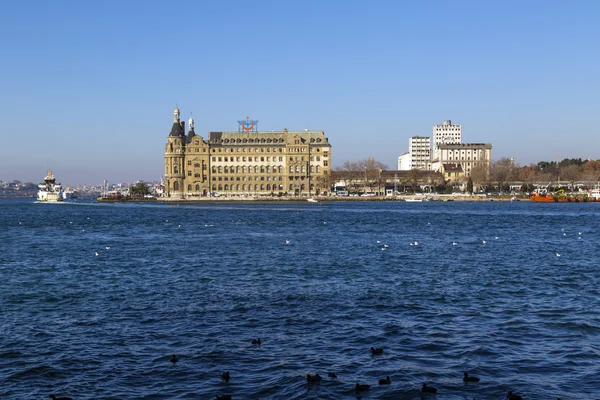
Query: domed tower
{"type": "Point", "coordinates": [191, 132]}
{"type": "Point", "coordinates": [175, 158]}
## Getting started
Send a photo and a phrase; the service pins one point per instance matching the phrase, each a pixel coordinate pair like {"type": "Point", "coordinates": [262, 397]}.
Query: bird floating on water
{"type": "Point", "coordinates": [174, 359]}
{"type": "Point", "coordinates": [362, 387]}
{"type": "Point", "coordinates": [107, 247]}
{"type": "Point", "coordinates": [288, 241]}
{"type": "Point", "coordinates": [376, 351]}
{"type": "Point", "coordinates": [256, 341]}
{"type": "Point", "coordinates": [454, 243]}
{"type": "Point", "coordinates": [512, 396]}
{"type": "Point", "coordinates": [97, 254]}
{"type": "Point", "coordinates": [313, 378]}
{"type": "Point", "coordinates": [225, 376]}
{"type": "Point", "coordinates": [385, 381]}
{"type": "Point", "coordinates": [428, 389]}
{"type": "Point", "coordinates": [468, 378]}
{"type": "Point", "coordinates": [484, 241]}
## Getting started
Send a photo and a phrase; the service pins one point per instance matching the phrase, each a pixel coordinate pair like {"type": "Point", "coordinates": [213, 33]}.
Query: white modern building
{"type": "Point", "coordinates": [404, 162]}
{"type": "Point", "coordinates": [446, 133]}
{"type": "Point", "coordinates": [419, 148]}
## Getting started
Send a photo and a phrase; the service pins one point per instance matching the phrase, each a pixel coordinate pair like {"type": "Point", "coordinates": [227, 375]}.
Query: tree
{"type": "Point", "coordinates": [480, 174]}
{"type": "Point", "coordinates": [470, 185]}
{"type": "Point", "coordinates": [139, 190]}
{"type": "Point", "coordinates": [502, 171]}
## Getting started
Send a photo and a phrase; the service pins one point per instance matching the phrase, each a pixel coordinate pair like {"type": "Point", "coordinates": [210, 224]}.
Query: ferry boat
{"type": "Point", "coordinates": [49, 190]}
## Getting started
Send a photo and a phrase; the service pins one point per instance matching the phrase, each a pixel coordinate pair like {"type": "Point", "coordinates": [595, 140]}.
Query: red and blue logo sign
{"type": "Point", "coordinates": [248, 124]}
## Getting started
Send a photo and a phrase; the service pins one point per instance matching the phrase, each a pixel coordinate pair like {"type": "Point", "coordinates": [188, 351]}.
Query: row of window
{"type": "Point", "coordinates": [255, 187]}
{"type": "Point", "coordinates": [257, 150]}
{"type": "Point", "coordinates": [263, 140]}
{"type": "Point", "coordinates": [262, 169]}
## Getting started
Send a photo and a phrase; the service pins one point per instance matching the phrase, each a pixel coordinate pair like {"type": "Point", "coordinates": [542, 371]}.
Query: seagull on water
{"type": "Point", "coordinates": [454, 243]}
{"type": "Point", "coordinates": [107, 248]}
{"type": "Point", "coordinates": [557, 254]}
{"type": "Point", "coordinates": [97, 254]}
{"type": "Point", "coordinates": [484, 241]}
{"type": "Point", "coordinates": [288, 241]}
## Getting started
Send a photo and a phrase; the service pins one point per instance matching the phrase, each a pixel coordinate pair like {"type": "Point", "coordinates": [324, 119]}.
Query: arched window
{"type": "Point", "coordinates": [237, 170]}
{"type": "Point", "coordinates": [237, 187]}
{"type": "Point", "coordinates": [302, 187]}
{"type": "Point", "coordinates": [220, 169]}
{"type": "Point", "coordinates": [291, 186]}
{"type": "Point", "coordinates": [268, 187]}
{"type": "Point", "coordinates": [220, 187]}
{"type": "Point", "coordinates": [262, 169]}
{"type": "Point", "coordinates": [214, 188]}
{"type": "Point", "coordinates": [256, 187]}
{"type": "Point", "coordinates": [197, 188]}
{"type": "Point", "coordinates": [312, 168]}
{"type": "Point", "coordinates": [262, 187]}
{"type": "Point", "coordinates": [226, 169]}
{"type": "Point", "coordinates": [176, 169]}
{"type": "Point", "coordinates": [176, 186]}
{"type": "Point", "coordinates": [291, 168]}
{"type": "Point", "coordinates": [303, 168]}
{"type": "Point", "coordinates": [256, 169]}
{"type": "Point", "coordinates": [243, 169]}
{"type": "Point", "coordinates": [318, 169]}
{"type": "Point", "coordinates": [226, 187]}
{"type": "Point", "coordinates": [189, 188]}
{"type": "Point", "coordinates": [214, 169]}
{"type": "Point", "coordinates": [297, 168]}
{"type": "Point", "coordinates": [244, 187]}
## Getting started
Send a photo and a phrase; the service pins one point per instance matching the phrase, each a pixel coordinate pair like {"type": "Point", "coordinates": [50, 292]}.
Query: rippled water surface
{"type": "Point", "coordinates": [201, 281]}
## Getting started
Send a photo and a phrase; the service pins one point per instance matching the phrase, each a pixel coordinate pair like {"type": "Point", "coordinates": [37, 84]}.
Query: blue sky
{"type": "Point", "coordinates": [88, 88]}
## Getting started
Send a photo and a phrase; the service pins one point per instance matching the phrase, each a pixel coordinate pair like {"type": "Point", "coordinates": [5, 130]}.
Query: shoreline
{"type": "Point", "coordinates": [415, 198]}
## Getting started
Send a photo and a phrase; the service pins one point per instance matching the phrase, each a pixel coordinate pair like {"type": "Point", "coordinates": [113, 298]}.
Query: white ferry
{"type": "Point", "coordinates": [49, 190]}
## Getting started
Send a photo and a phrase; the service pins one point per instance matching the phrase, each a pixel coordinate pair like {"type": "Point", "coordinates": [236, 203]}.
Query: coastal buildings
{"type": "Point", "coordinates": [246, 162]}
{"type": "Point", "coordinates": [445, 133]}
{"type": "Point", "coordinates": [454, 159]}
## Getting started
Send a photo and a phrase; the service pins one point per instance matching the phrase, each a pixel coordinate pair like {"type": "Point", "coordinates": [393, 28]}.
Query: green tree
{"type": "Point", "coordinates": [470, 185]}
{"type": "Point", "coordinates": [139, 190]}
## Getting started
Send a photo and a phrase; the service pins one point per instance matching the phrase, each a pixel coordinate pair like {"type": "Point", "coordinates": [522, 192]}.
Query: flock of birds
{"type": "Point", "coordinates": [359, 387]}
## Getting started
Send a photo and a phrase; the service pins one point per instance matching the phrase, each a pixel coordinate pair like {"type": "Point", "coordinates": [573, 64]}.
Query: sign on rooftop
{"type": "Point", "coordinates": [248, 125]}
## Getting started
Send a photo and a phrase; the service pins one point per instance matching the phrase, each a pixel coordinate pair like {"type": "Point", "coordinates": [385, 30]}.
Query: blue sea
{"type": "Point", "coordinates": [96, 298]}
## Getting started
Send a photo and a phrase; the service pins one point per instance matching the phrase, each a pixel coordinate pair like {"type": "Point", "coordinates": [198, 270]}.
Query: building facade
{"type": "Point", "coordinates": [446, 133]}
{"type": "Point", "coordinates": [419, 148]}
{"type": "Point", "coordinates": [405, 162]}
{"type": "Point", "coordinates": [459, 160]}
{"type": "Point", "coordinates": [246, 162]}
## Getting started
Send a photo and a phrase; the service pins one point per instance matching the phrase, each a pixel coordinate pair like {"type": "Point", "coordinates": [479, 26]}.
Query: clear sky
{"type": "Point", "coordinates": [87, 88]}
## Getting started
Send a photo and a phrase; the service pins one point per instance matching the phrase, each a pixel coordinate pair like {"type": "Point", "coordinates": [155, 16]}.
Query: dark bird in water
{"type": "Point", "coordinates": [332, 375]}
{"type": "Point", "coordinates": [376, 351]}
{"type": "Point", "coordinates": [362, 387]}
{"type": "Point", "coordinates": [313, 378]}
{"type": "Point", "coordinates": [385, 381]}
{"type": "Point", "coordinates": [256, 341]}
{"type": "Point", "coordinates": [511, 396]}
{"type": "Point", "coordinates": [224, 397]}
{"type": "Point", "coordinates": [174, 359]}
{"type": "Point", "coordinates": [53, 397]}
{"type": "Point", "coordinates": [428, 389]}
{"type": "Point", "coordinates": [468, 378]}
{"type": "Point", "coordinates": [225, 376]}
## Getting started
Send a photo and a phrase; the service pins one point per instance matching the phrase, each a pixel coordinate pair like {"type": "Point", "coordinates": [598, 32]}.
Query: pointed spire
{"type": "Point", "coordinates": [191, 123]}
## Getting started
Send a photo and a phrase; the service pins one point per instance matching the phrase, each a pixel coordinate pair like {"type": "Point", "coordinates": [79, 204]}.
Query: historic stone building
{"type": "Point", "coordinates": [246, 163]}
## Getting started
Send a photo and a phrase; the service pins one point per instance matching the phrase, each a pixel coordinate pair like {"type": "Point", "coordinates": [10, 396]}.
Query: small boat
{"type": "Point", "coordinates": [413, 200]}
{"type": "Point", "coordinates": [312, 200]}
{"type": "Point", "coordinates": [514, 198]}
{"type": "Point", "coordinates": [50, 191]}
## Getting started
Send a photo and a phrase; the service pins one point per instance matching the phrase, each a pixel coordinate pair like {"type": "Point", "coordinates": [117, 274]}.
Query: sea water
{"type": "Point", "coordinates": [96, 298]}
